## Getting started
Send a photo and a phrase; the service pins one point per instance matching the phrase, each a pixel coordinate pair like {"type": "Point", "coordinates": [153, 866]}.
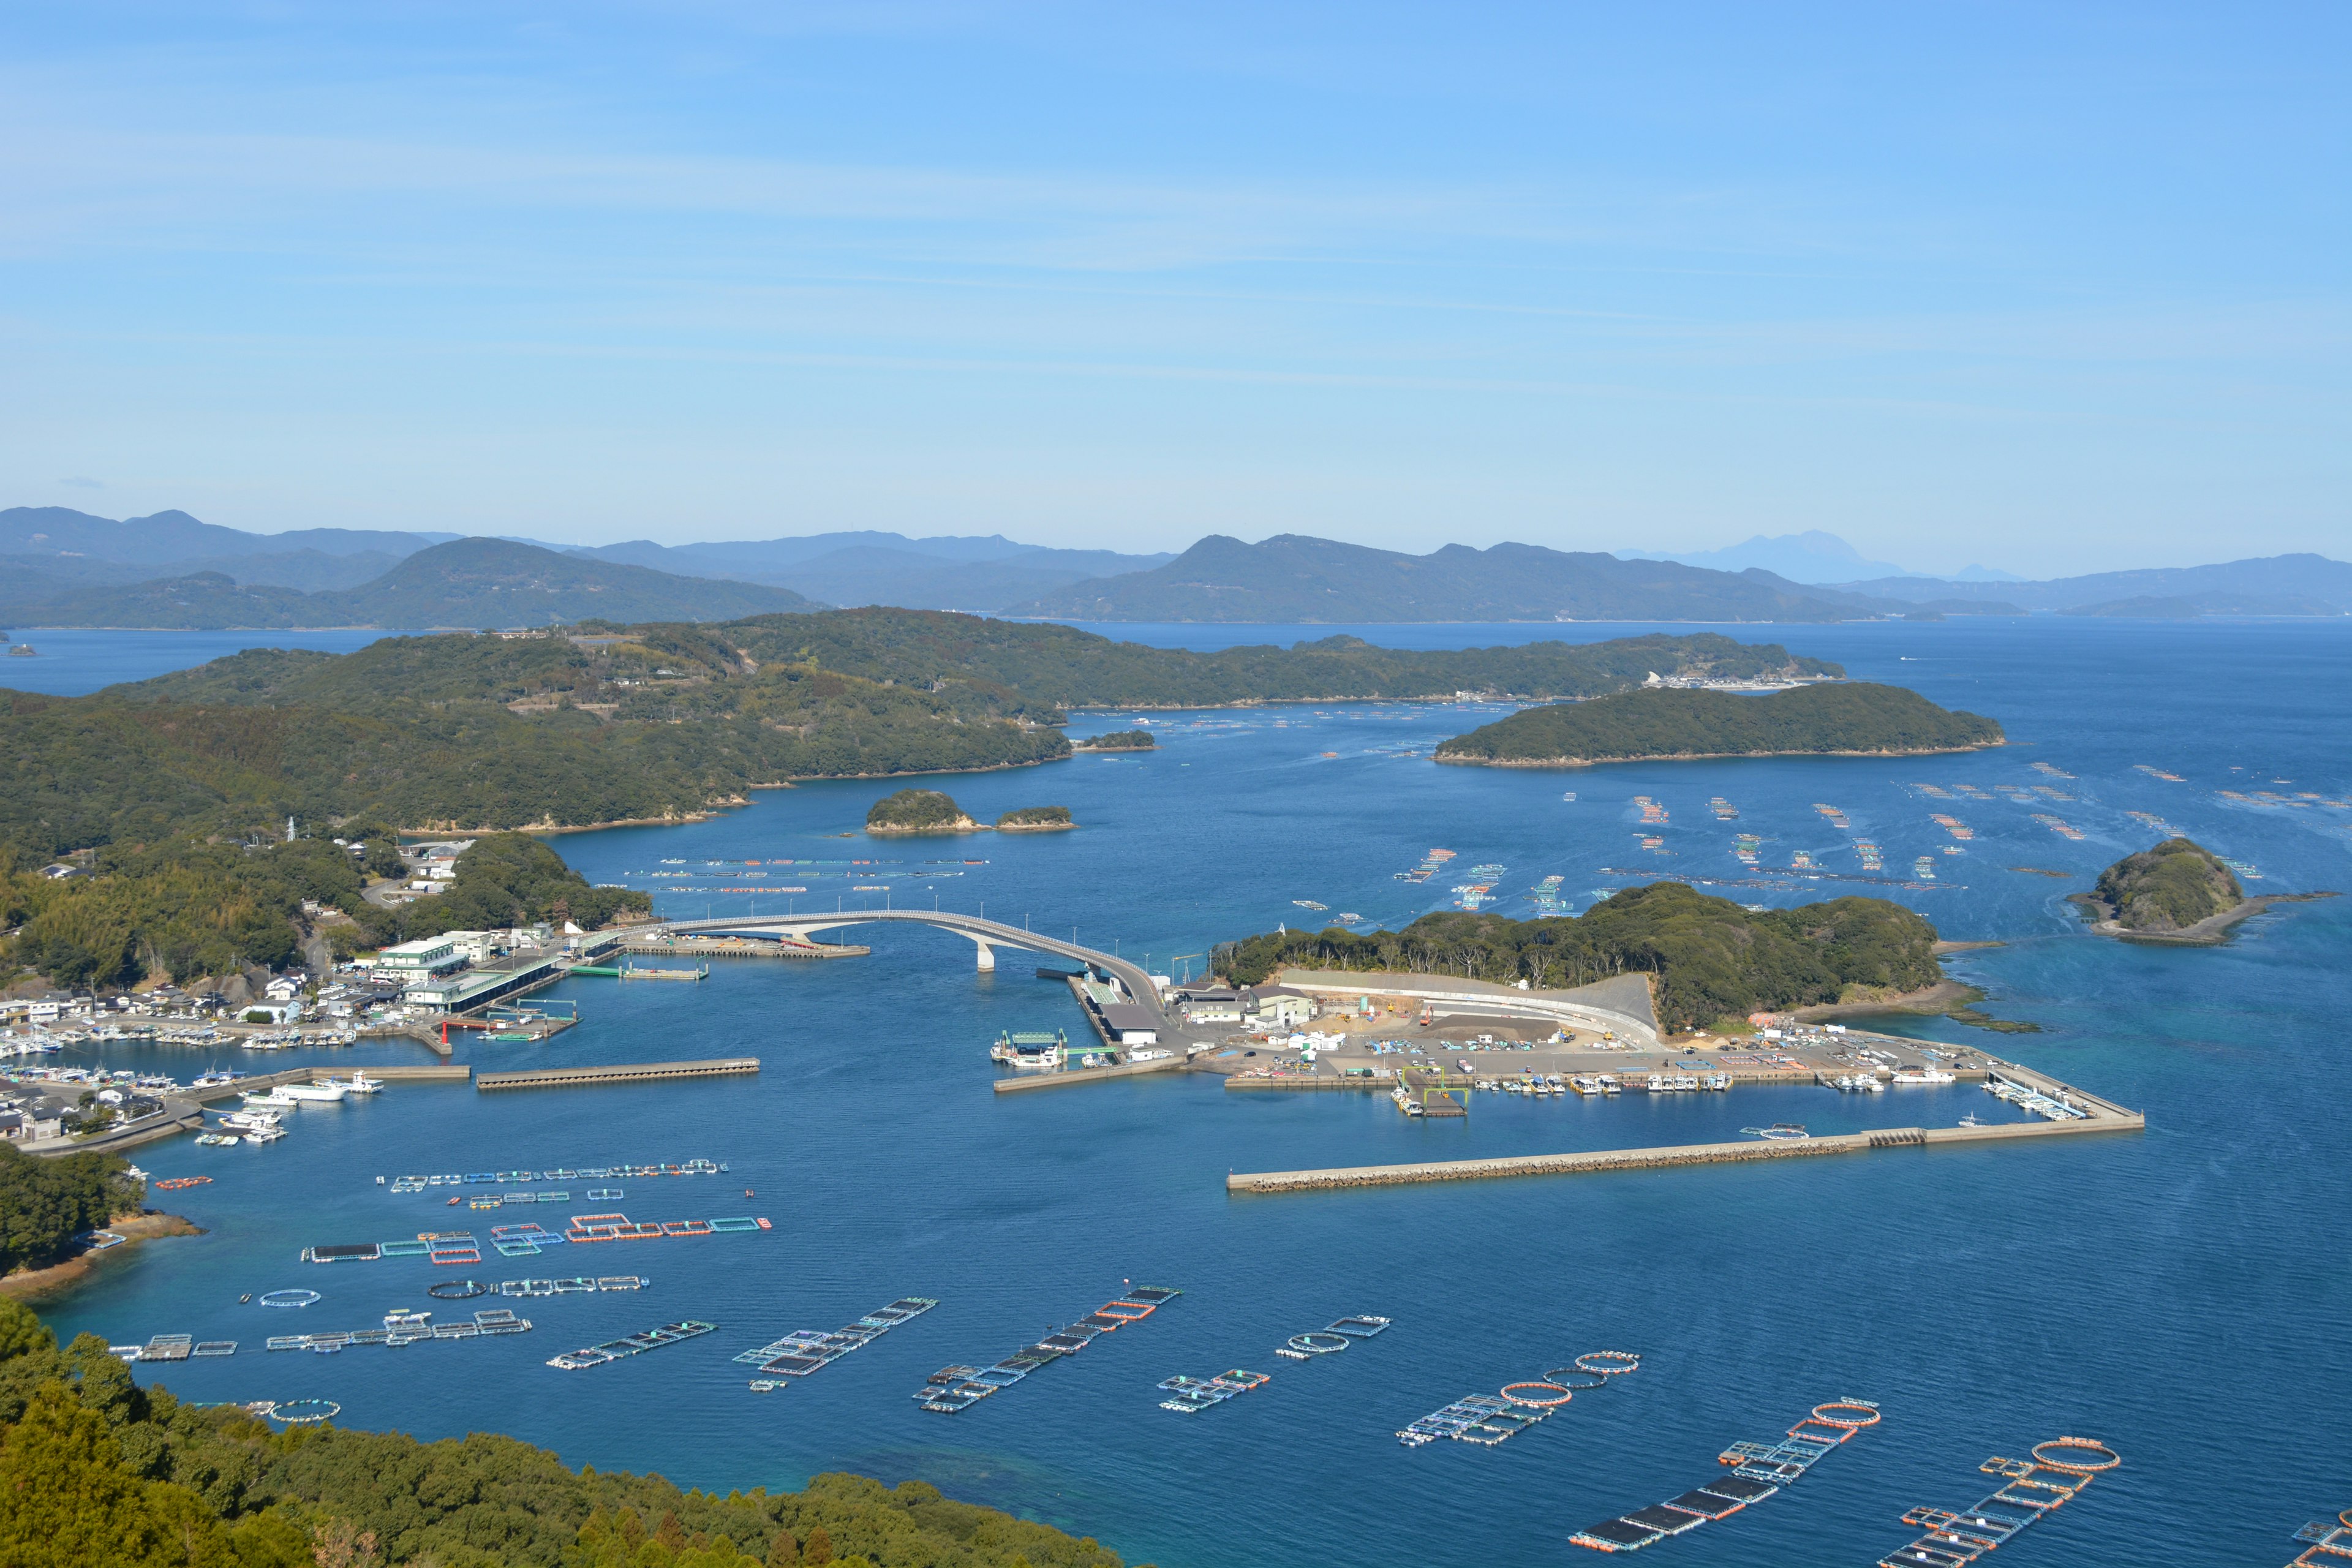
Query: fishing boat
{"type": "Point", "coordinates": [327, 1093]}
{"type": "Point", "coordinates": [265, 1135]}
{"type": "Point", "coordinates": [272, 1097]}
{"type": "Point", "coordinates": [1924, 1075]}
{"type": "Point", "coordinates": [358, 1083]}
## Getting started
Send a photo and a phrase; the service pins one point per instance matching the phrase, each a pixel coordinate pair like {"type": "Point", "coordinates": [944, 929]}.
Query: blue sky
{"type": "Point", "coordinates": [2054, 289]}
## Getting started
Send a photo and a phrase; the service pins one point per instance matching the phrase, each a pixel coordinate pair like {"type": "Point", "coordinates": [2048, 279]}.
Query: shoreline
{"type": "Point", "coordinates": [1702, 756]}
{"type": "Point", "coordinates": [36, 1284]}
{"type": "Point", "coordinates": [2211, 932]}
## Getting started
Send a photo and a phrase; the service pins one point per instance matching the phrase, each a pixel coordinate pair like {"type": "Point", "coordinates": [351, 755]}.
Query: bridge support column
{"type": "Point", "coordinates": [987, 954]}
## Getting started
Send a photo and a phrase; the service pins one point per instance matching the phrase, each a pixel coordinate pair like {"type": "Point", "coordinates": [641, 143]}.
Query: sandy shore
{"type": "Point", "coordinates": [31, 1284]}
{"type": "Point", "coordinates": [2211, 931]}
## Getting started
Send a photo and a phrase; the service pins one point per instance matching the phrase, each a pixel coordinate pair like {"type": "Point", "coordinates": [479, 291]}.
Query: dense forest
{"type": "Point", "coordinates": [2168, 888]}
{"type": "Point", "coordinates": [44, 1203]}
{"type": "Point", "coordinates": [1709, 959]}
{"type": "Point", "coordinates": [96, 1472]}
{"type": "Point", "coordinates": [184, 908]}
{"type": "Point", "coordinates": [1672, 722]}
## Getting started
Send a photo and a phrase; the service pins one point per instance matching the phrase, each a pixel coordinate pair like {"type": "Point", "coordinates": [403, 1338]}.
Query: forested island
{"type": "Point", "coordinates": [1118, 741]}
{"type": "Point", "coordinates": [2179, 893]}
{"type": "Point", "coordinates": [1710, 961]}
{"type": "Point", "coordinates": [1860, 719]}
{"type": "Point", "coordinates": [96, 1472]}
{"type": "Point", "coordinates": [919, 811]}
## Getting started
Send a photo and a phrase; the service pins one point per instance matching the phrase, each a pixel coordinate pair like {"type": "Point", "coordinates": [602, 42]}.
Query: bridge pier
{"type": "Point", "coordinates": [987, 954]}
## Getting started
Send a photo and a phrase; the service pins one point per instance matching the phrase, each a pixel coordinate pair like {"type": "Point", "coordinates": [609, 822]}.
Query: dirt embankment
{"type": "Point", "coordinates": [31, 1284]}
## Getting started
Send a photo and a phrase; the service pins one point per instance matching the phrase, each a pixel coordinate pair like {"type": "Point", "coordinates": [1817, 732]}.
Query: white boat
{"type": "Point", "coordinates": [326, 1093]}
{"type": "Point", "coordinates": [1924, 1075]}
{"type": "Point", "coordinates": [275, 1099]}
{"type": "Point", "coordinates": [249, 1120]}
{"type": "Point", "coordinates": [265, 1134]}
{"type": "Point", "coordinates": [358, 1083]}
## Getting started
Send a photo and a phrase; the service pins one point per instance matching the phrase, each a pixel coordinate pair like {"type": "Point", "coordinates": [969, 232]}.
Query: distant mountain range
{"type": "Point", "coordinates": [981, 574]}
{"type": "Point", "coordinates": [1294, 578]}
{"type": "Point", "coordinates": [465, 583]}
{"type": "Point", "coordinates": [2265, 585]}
{"type": "Point", "coordinates": [62, 567]}
{"type": "Point", "coordinates": [1812, 557]}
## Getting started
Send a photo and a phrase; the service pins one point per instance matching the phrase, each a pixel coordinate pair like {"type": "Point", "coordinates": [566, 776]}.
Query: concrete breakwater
{"type": "Point", "coordinates": [618, 1072]}
{"type": "Point", "coordinates": [1088, 1075]}
{"type": "Point", "coordinates": [1600, 1159]}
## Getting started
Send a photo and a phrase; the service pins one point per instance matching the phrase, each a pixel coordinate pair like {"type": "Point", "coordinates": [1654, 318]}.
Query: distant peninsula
{"type": "Point", "coordinates": [2179, 894]}
{"type": "Point", "coordinates": [1656, 723]}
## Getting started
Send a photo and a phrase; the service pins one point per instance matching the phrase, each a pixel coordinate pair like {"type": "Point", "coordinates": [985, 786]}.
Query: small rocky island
{"type": "Point", "coordinates": [1658, 723]}
{"type": "Point", "coordinates": [2178, 894]}
{"type": "Point", "coordinates": [919, 811]}
{"type": "Point", "coordinates": [1037, 819]}
{"type": "Point", "coordinates": [914, 811]}
{"type": "Point", "coordinates": [1117, 741]}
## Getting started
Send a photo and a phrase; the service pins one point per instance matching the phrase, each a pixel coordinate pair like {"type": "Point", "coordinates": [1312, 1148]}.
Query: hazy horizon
{"type": "Point", "coordinates": [2052, 293]}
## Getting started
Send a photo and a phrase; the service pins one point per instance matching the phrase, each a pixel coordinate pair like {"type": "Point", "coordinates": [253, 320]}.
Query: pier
{"type": "Point", "coordinates": [1067, 1077]}
{"type": "Point", "coordinates": [735, 947]}
{"type": "Point", "coordinates": [621, 1072]}
{"type": "Point", "coordinates": [2103, 1117]}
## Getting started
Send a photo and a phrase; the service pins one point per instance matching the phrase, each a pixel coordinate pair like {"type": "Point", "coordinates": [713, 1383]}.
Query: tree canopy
{"type": "Point", "coordinates": [1659, 723]}
{"type": "Point", "coordinates": [1709, 958]}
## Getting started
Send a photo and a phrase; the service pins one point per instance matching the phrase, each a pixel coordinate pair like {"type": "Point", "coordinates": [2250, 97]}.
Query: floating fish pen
{"type": "Point", "coordinates": [1190, 1395]}
{"type": "Point", "coordinates": [577, 1285]}
{"type": "Point", "coordinates": [297, 1412]}
{"type": "Point", "coordinates": [406, 1327]}
{"type": "Point", "coordinates": [1485, 1419]}
{"type": "Point", "coordinates": [461, 1249]}
{"type": "Point", "coordinates": [2329, 1541]}
{"type": "Point", "coordinates": [1331, 1338]}
{"type": "Point", "coordinates": [1757, 1471]}
{"type": "Point", "coordinates": [2030, 1488]}
{"type": "Point", "coordinates": [804, 1351]}
{"type": "Point", "coordinates": [289, 1297]}
{"type": "Point", "coordinates": [583, 1173]}
{"type": "Point", "coordinates": [632, 1344]}
{"type": "Point", "coordinates": [953, 1389]}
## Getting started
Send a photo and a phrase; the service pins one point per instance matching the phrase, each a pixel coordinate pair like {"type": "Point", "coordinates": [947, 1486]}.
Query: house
{"type": "Point", "coordinates": [1209, 1006]}
{"type": "Point", "coordinates": [284, 988]}
{"type": "Point", "coordinates": [1273, 1008]}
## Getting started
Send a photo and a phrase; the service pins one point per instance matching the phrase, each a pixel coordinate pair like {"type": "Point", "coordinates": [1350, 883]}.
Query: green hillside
{"type": "Point", "coordinates": [1854, 720]}
{"type": "Point", "coordinates": [2168, 888]}
{"type": "Point", "coordinates": [1710, 959]}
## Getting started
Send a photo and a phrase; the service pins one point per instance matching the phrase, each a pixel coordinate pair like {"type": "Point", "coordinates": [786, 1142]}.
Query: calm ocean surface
{"type": "Point", "coordinates": [2182, 1295]}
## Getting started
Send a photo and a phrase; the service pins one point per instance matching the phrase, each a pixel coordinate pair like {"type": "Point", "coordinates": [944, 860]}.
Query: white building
{"type": "Point", "coordinates": [421, 958]}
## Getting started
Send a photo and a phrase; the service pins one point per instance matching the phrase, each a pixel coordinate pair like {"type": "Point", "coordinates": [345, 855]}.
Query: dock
{"type": "Point", "coordinates": [1070, 1075]}
{"type": "Point", "coordinates": [619, 1072]}
{"type": "Point", "coordinates": [685, 946]}
{"type": "Point", "coordinates": [2103, 1116]}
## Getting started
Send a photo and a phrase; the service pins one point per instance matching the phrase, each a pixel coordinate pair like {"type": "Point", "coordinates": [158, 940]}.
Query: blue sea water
{"type": "Point", "coordinates": [75, 661]}
{"type": "Point", "coordinates": [2181, 1294]}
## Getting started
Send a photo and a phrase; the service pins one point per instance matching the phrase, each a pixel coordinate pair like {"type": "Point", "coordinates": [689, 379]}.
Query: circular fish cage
{"type": "Point", "coordinates": [289, 1297]}
{"type": "Point", "coordinates": [1608, 1363]}
{"type": "Point", "coordinates": [1576, 1379]}
{"type": "Point", "coordinates": [1536, 1395]}
{"type": "Point", "coordinates": [1849, 1414]}
{"type": "Point", "coordinates": [304, 1412]}
{"type": "Point", "coordinates": [457, 1289]}
{"type": "Point", "coordinates": [2077, 1456]}
{"type": "Point", "coordinates": [1318, 1343]}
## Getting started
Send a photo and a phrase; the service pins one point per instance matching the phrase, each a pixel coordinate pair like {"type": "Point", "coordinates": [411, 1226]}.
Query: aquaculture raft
{"type": "Point", "coordinates": [631, 1344]}
{"type": "Point", "coordinates": [1758, 1470]}
{"type": "Point", "coordinates": [2030, 1488]}
{"type": "Point", "coordinates": [804, 1351]}
{"type": "Point", "coordinates": [1190, 1395]}
{"type": "Point", "coordinates": [407, 1328]}
{"type": "Point", "coordinates": [2329, 1542]}
{"type": "Point", "coordinates": [1491, 1418]}
{"type": "Point", "coordinates": [957, 1388]}
{"type": "Point", "coordinates": [1331, 1338]}
{"type": "Point", "coordinates": [608, 1172]}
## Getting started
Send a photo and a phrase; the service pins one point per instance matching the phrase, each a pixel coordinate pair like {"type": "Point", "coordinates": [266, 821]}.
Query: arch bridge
{"type": "Point", "coordinates": [986, 936]}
